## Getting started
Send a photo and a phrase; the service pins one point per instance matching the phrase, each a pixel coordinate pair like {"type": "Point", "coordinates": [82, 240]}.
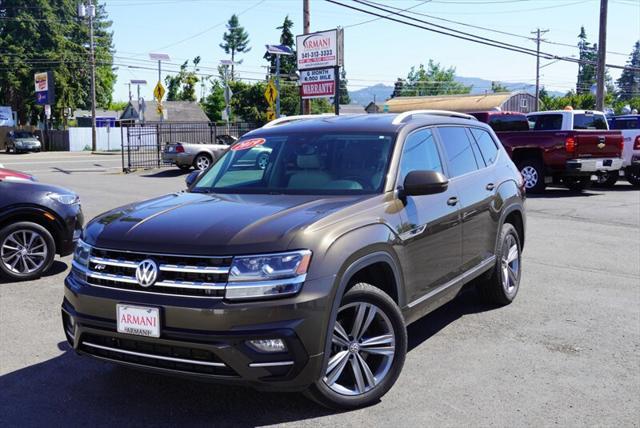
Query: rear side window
{"type": "Point", "coordinates": [488, 147]}
{"type": "Point", "coordinates": [419, 154]}
{"type": "Point", "coordinates": [589, 121]}
{"type": "Point", "coordinates": [509, 122]}
{"type": "Point", "coordinates": [459, 153]}
{"type": "Point", "coordinates": [545, 122]}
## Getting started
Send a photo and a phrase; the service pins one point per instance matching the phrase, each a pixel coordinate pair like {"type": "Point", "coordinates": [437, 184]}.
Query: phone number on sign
{"type": "Point", "coordinates": [316, 54]}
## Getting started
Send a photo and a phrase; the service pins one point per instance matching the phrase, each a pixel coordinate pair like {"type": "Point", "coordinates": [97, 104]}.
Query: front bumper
{"type": "Point", "coordinates": [206, 338]}
{"type": "Point", "coordinates": [179, 159]}
{"type": "Point", "coordinates": [594, 164]}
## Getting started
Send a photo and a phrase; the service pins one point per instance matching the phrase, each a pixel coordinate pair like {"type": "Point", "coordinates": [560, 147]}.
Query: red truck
{"type": "Point", "coordinates": [561, 146]}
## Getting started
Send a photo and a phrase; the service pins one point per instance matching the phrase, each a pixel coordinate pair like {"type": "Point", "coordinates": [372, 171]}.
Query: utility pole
{"type": "Point", "coordinates": [306, 22]}
{"type": "Point", "coordinates": [89, 11]}
{"type": "Point", "coordinates": [225, 63]}
{"type": "Point", "coordinates": [538, 33]}
{"type": "Point", "coordinates": [602, 48]}
{"type": "Point", "coordinates": [129, 85]}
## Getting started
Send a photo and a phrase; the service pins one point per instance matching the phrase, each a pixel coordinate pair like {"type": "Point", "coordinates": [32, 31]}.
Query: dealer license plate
{"type": "Point", "coordinates": [138, 320]}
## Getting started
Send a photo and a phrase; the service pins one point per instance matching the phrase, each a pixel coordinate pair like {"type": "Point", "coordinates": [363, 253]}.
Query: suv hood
{"type": "Point", "coordinates": [27, 140]}
{"type": "Point", "coordinates": [211, 224]}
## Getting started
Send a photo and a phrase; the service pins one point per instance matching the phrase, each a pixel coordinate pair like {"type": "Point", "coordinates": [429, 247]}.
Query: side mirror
{"type": "Point", "coordinates": [418, 183]}
{"type": "Point", "coordinates": [192, 177]}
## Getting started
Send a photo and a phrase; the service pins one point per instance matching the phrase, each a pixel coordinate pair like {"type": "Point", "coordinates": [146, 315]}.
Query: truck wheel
{"type": "Point", "coordinates": [26, 251]}
{"type": "Point", "coordinates": [368, 348]}
{"type": "Point", "coordinates": [503, 284]}
{"type": "Point", "coordinates": [607, 179]}
{"type": "Point", "coordinates": [533, 175]}
{"type": "Point", "coordinates": [633, 175]}
{"type": "Point", "coordinates": [202, 162]}
{"type": "Point", "coordinates": [577, 184]}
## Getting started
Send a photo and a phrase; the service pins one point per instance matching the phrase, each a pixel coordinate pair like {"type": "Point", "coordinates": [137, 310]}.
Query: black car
{"type": "Point", "coordinates": [302, 274]}
{"type": "Point", "coordinates": [37, 221]}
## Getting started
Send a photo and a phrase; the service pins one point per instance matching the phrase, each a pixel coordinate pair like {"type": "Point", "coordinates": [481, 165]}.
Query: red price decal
{"type": "Point", "coordinates": [248, 144]}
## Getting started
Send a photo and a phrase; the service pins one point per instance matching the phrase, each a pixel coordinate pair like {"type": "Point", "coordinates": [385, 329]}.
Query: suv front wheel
{"type": "Point", "coordinates": [367, 352]}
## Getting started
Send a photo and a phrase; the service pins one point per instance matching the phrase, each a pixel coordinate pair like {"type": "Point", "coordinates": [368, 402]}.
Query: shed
{"type": "Point", "coordinates": [373, 107]}
{"type": "Point", "coordinates": [520, 101]}
{"type": "Point", "coordinates": [175, 111]}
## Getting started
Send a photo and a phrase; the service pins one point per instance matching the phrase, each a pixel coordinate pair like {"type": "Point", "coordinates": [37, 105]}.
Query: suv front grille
{"type": "Point", "coordinates": [177, 275]}
{"type": "Point", "coordinates": [181, 358]}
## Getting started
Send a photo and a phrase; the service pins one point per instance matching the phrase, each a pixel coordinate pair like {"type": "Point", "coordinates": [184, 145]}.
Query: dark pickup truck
{"type": "Point", "coordinates": [566, 146]}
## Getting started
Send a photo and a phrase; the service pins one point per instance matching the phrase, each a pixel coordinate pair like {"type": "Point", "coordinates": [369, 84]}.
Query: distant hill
{"type": "Point", "coordinates": [381, 92]}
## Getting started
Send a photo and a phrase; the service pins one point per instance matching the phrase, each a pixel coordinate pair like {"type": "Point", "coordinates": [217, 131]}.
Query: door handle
{"type": "Point", "coordinates": [490, 186]}
{"type": "Point", "coordinates": [452, 201]}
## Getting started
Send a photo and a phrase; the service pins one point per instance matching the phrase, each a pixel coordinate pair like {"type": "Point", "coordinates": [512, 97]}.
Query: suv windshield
{"type": "Point", "coordinates": [23, 134]}
{"type": "Point", "coordinates": [302, 163]}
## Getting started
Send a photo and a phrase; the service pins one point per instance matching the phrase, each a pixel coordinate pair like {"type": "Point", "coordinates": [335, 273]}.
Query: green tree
{"type": "Point", "coordinates": [213, 104]}
{"type": "Point", "coordinates": [398, 87]}
{"type": "Point", "coordinates": [235, 40]}
{"type": "Point", "coordinates": [586, 71]}
{"type": "Point", "coordinates": [43, 35]}
{"type": "Point", "coordinates": [498, 87]}
{"type": "Point", "coordinates": [182, 86]}
{"type": "Point", "coordinates": [344, 90]}
{"type": "Point", "coordinates": [288, 64]}
{"type": "Point", "coordinates": [629, 81]}
{"type": "Point", "coordinates": [433, 80]}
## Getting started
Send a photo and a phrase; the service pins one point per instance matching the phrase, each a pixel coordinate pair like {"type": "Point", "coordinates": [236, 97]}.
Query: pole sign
{"type": "Point", "coordinates": [320, 83]}
{"type": "Point", "coordinates": [45, 88]}
{"type": "Point", "coordinates": [321, 49]}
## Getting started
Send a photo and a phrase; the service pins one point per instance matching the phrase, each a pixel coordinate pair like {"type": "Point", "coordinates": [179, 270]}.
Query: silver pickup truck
{"type": "Point", "coordinates": [197, 155]}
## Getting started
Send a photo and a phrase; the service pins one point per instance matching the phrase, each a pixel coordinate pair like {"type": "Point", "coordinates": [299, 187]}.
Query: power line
{"type": "Point", "coordinates": [467, 36]}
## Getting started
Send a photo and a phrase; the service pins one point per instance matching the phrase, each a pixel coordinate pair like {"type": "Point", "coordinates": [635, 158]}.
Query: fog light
{"type": "Point", "coordinates": [268, 345]}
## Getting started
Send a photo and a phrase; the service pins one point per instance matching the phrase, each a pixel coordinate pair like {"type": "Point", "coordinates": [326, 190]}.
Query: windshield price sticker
{"type": "Point", "coordinates": [248, 144]}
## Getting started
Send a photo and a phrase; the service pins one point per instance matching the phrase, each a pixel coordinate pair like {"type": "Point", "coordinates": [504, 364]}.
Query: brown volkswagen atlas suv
{"type": "Point", "coordinates": [303, 275]}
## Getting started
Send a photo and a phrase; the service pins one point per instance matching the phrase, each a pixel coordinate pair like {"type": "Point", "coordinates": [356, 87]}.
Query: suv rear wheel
{"type": "Point", "coordinates": [633, 175]}
{"type": "Point", "coordinates": [367, 352]}
{"type": "Point", "coordinates": [26, 251]}
{"type": "Point", "coordinates": [503, 284]}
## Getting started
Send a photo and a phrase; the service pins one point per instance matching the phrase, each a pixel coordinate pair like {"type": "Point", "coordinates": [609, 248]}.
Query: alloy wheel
{"type": "Point", "coordinates": [263, 161]}
{"type": "Point", "coordinates": [362, 351]}
{"type": "Point", "coordinates": [530, 177]}
{"type": "Point", "coordinates": [24, 251]}
{"type": "Point", "coordinates": [202, 163]}
{"type": "Point", "coordinates": [510, 265]}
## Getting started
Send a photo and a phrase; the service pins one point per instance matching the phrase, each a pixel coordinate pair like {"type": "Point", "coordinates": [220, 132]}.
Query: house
{"type": "Point", "coordinates": [174, 111]}
{"type": "Point", "coordinates": [104, 118]}
{"type": "Point", "coordinates": [520, 101]}
{"type": "Point", "coordinates": [373, 107]}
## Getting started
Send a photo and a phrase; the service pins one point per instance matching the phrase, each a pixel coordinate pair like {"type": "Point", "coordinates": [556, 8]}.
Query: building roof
{"type": "Point", "coordinates": [175, 111]}
{"type": "Point", "coordinates": [351, 109]}
{"type": "Point", "coordinates": [99, 113]}
{"type": "Point", "coordinates": [461, 103]}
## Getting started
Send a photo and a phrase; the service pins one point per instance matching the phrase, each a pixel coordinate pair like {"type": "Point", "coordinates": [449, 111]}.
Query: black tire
{"type": "Point", "coordinates": [365, 295]}
{"type": "Point", "coordinates": [608, 178]}
{"type": "Point", "coordinates": [184, 167]}
{"type": "Point", "coordinates": [44, 262]}
{"type": "Point", "coordinates": [577, 184]}
{"type": "Point", "coordinates": [633, 175]}
{"type": "Point", "coordinates": [532, 173]}
{"type": "Point", "coordinates": [495, 290]}
{"type": "Point", "coordinates": [202, 162]}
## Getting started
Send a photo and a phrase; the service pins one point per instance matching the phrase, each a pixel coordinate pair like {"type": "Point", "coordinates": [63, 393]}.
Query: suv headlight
{"type": "Point", "coordinates": [81, 256]}
{"type": "Point", "coordinates": [268, 275]}
{"type": "Point", "coordinates": [64, 198]}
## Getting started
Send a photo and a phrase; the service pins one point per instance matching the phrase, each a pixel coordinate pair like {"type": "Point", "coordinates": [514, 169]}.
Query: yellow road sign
{"type": "Point", "coordinates": [158, 91]}
{"type": "Point", "coordinates": [270, 114]}
{"type": "Point", "coordinates": [160, 110]}
{"type": "Point", "coordinates": [271, 93]}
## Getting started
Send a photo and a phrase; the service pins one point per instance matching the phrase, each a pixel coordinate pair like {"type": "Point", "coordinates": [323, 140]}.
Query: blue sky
{"type": "Point", "coordinates": [375, 52]}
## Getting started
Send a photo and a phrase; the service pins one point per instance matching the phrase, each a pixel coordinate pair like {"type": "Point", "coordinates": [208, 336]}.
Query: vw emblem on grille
{"type": "Point", "coordinates": [147, 273]}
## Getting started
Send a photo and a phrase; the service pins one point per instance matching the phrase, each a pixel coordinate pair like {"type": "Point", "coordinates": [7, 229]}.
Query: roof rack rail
{"type": "Point", "coordinates": [286, 119]}
{"type": "Point", "coordinates": [402, 116]}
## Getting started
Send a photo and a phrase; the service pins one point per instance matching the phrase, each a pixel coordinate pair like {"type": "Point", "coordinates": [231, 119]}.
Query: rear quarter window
{"type": "Point", "coordinates": [487, 146]}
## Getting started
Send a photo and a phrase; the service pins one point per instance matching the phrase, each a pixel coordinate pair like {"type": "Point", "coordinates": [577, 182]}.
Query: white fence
{"type": "Point", "coordinates": [106, 139]}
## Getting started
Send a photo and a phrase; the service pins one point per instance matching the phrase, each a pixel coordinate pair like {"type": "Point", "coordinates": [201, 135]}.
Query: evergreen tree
{"type": "Point", "coordinates": [344, 97]}
{"type": "Point", "coordinates": [235, 40]}
{"type": "Point", "coordinates": [398, 88]}
{"type": "Point", "coordinates": [288, 64]}
{"type": "Point", "coordinates": [629, 81]}
{"type": "Point", "coordinates": [182, 86]}
{"type": "Point", "coordinates": [44, 35]}
{"type": "Point", "coordinates": [586, 72]}
{"type": "Point", "coordinates": [433, 80]}
{"type": "Point", "coordinates": [498, 87]}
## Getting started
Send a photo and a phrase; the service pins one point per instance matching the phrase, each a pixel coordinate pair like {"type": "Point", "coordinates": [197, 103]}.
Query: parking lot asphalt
{"type": "Point", "coordinates": [566, 352]}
